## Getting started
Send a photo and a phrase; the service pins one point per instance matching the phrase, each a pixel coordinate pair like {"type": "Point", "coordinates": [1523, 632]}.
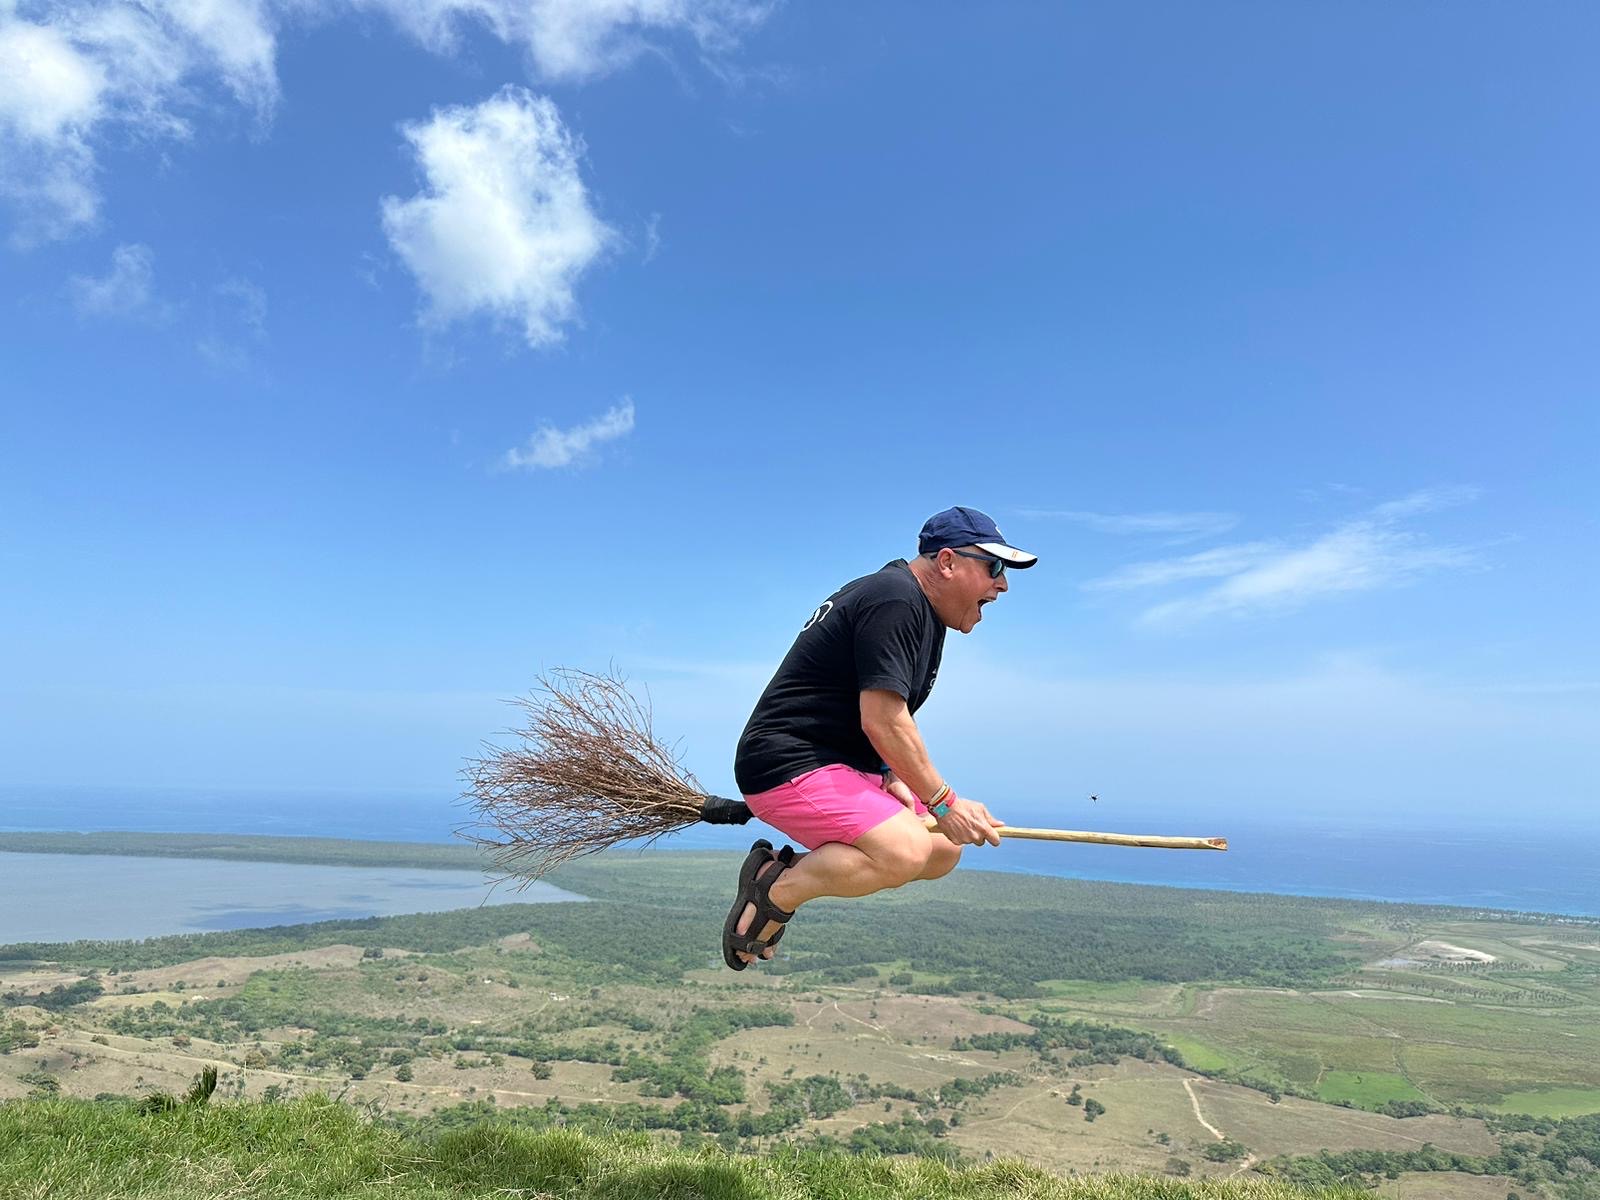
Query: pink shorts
{"type": "Point", "coordinates": [835, 803]}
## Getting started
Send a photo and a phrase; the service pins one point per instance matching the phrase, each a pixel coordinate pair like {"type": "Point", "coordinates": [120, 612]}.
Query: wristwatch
{"type": "Point", "coordinates": [939, 802]}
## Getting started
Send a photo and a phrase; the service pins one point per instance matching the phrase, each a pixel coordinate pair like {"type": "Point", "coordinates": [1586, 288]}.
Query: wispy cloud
{"type": "Point", "coordinates": [237, 324]}
{"type": "Point", "coordinates": [550, 447]}
{"type": "Point", "coordinates": [1362, 554]}
{"type": "Point", "coordinates": [1178, 525]}
{"type": "Point", "coordinates": [83, 68]}
{"type": "Point", "coordinates": [126, 290]}
{"type": "Point", "coordinates": [1207, 564]}
{"type": "Point", "coordinates": [1425, 500]}
{"type": "Point", "coordinates": [652, 237]}
{"type": "Point", "coordinates": [504, 227]}
{"type": "Point", "coordinates": [572, 40]}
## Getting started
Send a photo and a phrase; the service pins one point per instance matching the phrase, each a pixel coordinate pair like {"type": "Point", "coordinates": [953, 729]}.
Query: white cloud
{"type": "Point", "coordinates": [1258, 577]}
{"type": "Point", "coordinates": [78, 69]}
{"type": "Point", "coordinates": [50, 97]}
{"type": "Point", "coordinates": [124, 291]}
{"type": "Point", "coordinates": [551, 447]}
{"type": "Point", "coordinates": [576, 39]}
{"type": "Point", "coordinates": [75, 72]}
{"type": "Point", "coordinates": [237, 40]}
{"type": "Point", "coordinates": [1177, 525]}
{"type": "Point", "coordinates": [1358, 557]}
{"type": "Point", "coordinates": [504, 226]}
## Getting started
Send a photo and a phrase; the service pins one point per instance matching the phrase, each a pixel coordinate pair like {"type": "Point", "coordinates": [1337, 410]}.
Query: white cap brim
{"type": "Point", "coordinates": [1012, 556]}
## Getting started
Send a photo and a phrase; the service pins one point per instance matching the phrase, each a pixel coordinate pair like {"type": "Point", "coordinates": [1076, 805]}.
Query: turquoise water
{"type": "Point", "coordinates": [66, 897]}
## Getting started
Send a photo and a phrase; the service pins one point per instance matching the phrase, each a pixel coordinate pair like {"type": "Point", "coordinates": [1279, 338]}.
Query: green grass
{"type": "Point", "coordinates": [1366, 1089]}
{"type": "Point", "coordinates": [1199, 1055]}
{"type": "Point", "coordinates": [1124, 991]}
{"type": "Point", "coordinates": [76, 1150]}
{"type": "Point", "coordinates": [1552, 1102]}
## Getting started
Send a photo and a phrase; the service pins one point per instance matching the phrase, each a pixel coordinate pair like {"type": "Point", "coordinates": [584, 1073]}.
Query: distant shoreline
{"type": "Point", "coordinates": [442, 856]}
{"type": "Point", "coordinates": [252, 847]}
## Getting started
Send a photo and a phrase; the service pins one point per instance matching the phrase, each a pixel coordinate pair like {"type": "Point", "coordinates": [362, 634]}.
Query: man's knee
{"type": "Point", "coordinates": [903, 858]}
{"type": "Point", "coordinates": [943, 856]}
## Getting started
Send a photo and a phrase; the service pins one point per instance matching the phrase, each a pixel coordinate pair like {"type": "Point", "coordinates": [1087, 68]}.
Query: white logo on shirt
{"type": "Point", "coordinates": [827, 607]}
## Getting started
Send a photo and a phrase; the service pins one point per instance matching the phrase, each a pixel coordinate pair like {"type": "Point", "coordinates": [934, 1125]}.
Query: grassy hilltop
{"type": "Point", "coordinates": [314, 1148]}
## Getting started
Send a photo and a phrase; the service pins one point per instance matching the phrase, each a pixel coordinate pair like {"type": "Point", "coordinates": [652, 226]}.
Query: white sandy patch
{"type": "Point", "coordinates": [1451, 952]}
{"type": "Point", "coordinates": [1362, 995]}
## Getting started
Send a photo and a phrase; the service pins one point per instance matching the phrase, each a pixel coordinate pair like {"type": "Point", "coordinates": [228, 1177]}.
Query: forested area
{"type": "Point", "coordinates": [1568, 1160]}
{"type": "Point", "coordinates": [1093, 1042]}
{"type": "Point", "coordinates": [917, 1130]}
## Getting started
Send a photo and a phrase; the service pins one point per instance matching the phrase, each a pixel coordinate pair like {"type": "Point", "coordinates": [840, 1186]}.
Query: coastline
{"type": "Point", "coordinates": [444, 856]}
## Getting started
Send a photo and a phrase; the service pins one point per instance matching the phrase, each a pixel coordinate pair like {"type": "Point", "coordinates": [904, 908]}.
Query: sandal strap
{"type": "Point", "coordinates": [766, 911]}
{"type": "Point", "coordinates": [763, 899]}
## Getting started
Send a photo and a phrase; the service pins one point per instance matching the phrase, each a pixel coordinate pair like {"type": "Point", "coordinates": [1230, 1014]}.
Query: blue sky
{"type": "Point", "coordinates": [363, 359]}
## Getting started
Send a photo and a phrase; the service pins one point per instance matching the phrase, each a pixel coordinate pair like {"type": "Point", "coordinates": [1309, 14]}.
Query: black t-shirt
{"type": "Point", "coordinates": [878, 631]}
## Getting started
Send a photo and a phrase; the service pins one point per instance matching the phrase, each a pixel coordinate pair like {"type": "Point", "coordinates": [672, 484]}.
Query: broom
{"type": "Point", "coordinates": [587, 771]}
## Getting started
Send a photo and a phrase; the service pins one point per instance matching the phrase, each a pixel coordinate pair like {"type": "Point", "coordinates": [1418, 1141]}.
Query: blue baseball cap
{"type": "Point", "coordinates": [956, 527]}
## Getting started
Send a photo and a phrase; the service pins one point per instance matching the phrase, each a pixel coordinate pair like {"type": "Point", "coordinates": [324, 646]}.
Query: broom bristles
{"type": "Point", "coordinates": [585, 772]}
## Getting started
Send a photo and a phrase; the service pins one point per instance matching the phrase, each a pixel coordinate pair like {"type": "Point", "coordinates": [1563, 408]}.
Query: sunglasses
{"type": "Point", "coordinates": [997, 566]}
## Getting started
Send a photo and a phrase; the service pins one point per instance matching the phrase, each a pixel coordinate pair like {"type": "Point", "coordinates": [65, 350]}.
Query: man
{"type": "Point", "coordinates": [832, 755]}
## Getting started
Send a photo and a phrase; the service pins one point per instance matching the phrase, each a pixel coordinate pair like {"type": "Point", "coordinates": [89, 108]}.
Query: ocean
{"type": "Point", "coordinates": [1554, 870]}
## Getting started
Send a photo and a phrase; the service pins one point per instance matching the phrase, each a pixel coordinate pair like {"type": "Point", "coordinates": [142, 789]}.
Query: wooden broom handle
{"type": "Point", "coordinates": [1115, 839]}
{"type": "Point", "coordinates": [1108, 839]}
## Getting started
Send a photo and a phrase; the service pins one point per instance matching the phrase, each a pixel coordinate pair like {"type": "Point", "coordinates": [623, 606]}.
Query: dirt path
{"type": "Point", "coordinates": [1249, 1159]}
{"type": "Point", "coordinates": [870, 1025]}
{"type": "Point", "coordinates": [1006, 1116]}
{"type": "Point", "coordinates": [1194, 1102]}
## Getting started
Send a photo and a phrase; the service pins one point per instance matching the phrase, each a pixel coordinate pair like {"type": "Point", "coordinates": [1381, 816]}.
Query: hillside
{"type": "Point", "coordinates": [320, 1148]}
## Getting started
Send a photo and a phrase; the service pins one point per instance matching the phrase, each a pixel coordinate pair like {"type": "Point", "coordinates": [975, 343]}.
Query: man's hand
{"type": "Point", "coordinates": [969, 823]}
{"type": "Point", "coordinates": [901, 793]}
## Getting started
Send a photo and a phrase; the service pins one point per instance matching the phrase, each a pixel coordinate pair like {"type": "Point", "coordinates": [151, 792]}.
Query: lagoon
{"type": "Point", "coordinates": [67, 897]}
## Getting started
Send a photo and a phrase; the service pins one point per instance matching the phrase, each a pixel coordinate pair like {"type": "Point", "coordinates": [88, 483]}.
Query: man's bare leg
{"type": "Point", "coordinates": [889, 855]}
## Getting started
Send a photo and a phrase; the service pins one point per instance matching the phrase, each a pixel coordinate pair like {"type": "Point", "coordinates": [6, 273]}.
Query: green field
{"type": "Point", "coordinates": [1126, 991]}
{"type": "Point", "coordinates": [1199, 1055]}
{"type": "Point", "coordinates": [1553, 1102]}
{"type": "Point", "coordinates": [1366, 1089]}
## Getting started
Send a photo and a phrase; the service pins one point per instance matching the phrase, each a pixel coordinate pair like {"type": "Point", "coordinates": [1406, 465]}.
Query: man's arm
{"type": "Point", "coordinates": [889, 726]}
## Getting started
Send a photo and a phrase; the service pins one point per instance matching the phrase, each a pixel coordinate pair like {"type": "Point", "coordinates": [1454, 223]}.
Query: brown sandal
{"type": "Point", "coordinates": [755, 889]}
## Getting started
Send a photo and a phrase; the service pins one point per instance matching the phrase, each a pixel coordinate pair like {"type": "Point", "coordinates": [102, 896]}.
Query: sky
{"type": "Point", "coordinates": [363, 359]}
